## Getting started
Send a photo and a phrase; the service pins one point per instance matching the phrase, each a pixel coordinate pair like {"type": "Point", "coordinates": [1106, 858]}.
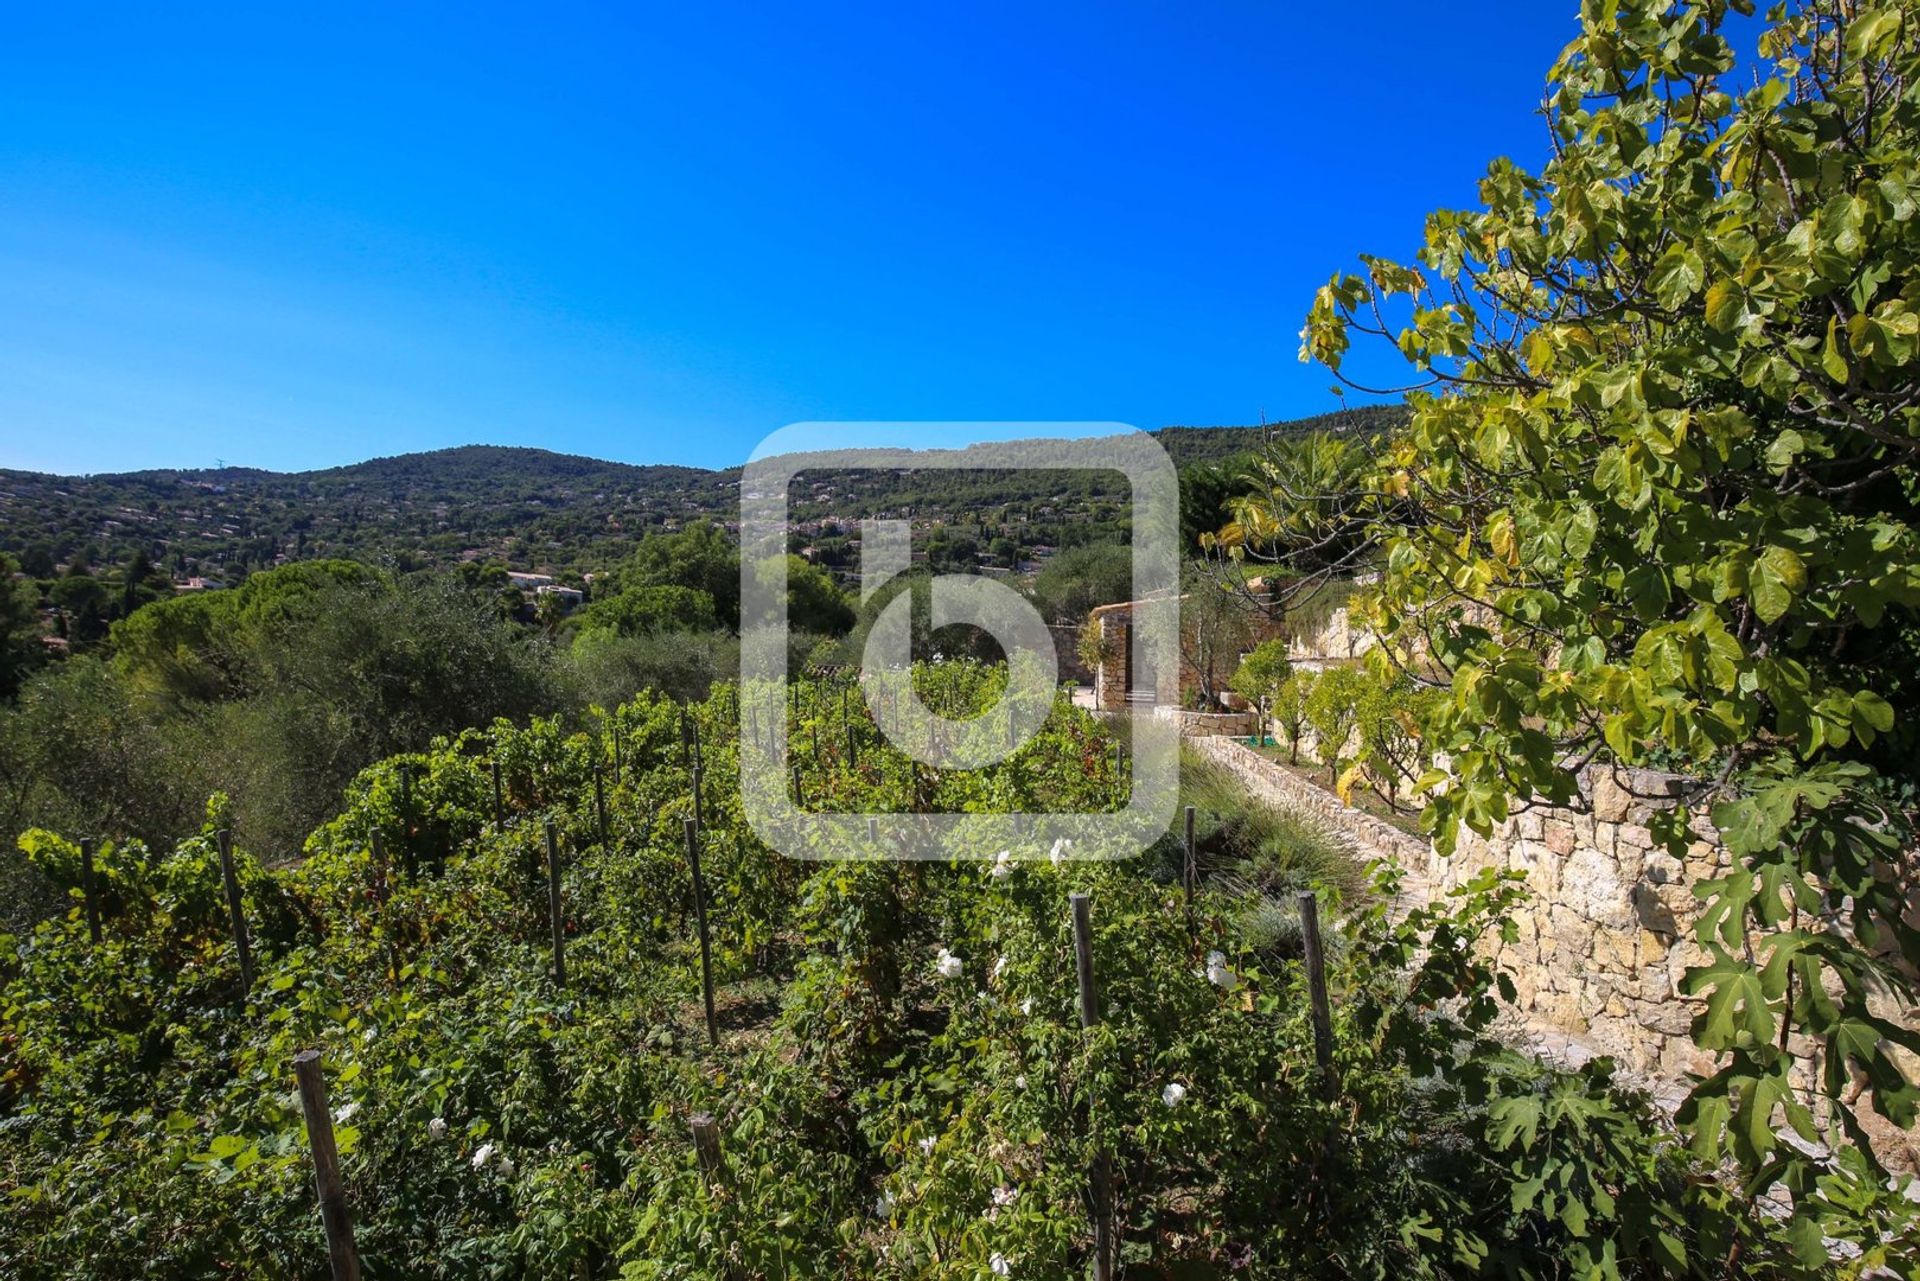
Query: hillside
{"type": "Point", "coordinates": [526, 507]}
{"type": "Point", "coordinates": [517, 504]}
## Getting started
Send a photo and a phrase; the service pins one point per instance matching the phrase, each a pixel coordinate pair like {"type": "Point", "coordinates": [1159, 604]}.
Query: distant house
{"type": "Point", "coordinates": [200, 585]}
{"type": "Point", "coordinates": [529, 582]}
{"type": "Point", "coordinates": [570, 598]}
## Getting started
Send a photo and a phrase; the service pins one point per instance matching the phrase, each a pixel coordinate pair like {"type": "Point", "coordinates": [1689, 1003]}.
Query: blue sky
{"type": "Point", "coordinates": [296, 239]}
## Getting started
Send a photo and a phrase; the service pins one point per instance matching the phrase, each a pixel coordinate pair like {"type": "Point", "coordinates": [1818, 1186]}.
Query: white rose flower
{"type": "Point", "coordinates": [1004, 1196]}
{"type": "Point", "coordinates": [947, 964]}
{"type": "Point", "coordinates": [1000, 967]}
{"type": "Point", "coordinates": [482, 1155]}
{"type": "Point", "coordinates": [1172, 1093]}
{"type": "Point", "coordinates": [926, 1145]}
{"type": "Point", "coordinates": [1020, 1082]}
{"type": "Point", "coordinates": [1002, 865]}
{"type": "Point", "coordinates": [437, 1128]}
{"type": "Point", "coordinates": [883, 1208]}
{"type": "Point", "coordinates": [999, 1266]}
{"type": "Point", "coordinates": [1026, 1007]}
{"type": "Point", "coordinates": [344, 1113]}
{"type": "Point", "coordinates": [1058, 854]}
{"type": "Point", "coordinates": [1219, 973]}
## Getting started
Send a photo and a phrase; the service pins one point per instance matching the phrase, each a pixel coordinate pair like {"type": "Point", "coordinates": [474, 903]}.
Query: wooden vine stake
{"type": "Point", "coordinates": [1100, 1177]}
{"type": "Point", "coordinates": [1083, 958]}
{"type": "Point", "coordinates": [377, 852]}
{"type": "Point", "coordinates": [706, 1147]}
{"type": "Point", "coordinates": [326, 1167]}
{"type": "Point", "coordinates": [499, 810]}
{"type": "Point", "coordinates": [553, 908]}
{"type": "Point", "coordinates": [1317, 987]}
{"type": "Point", "coordinates": [600, 805]}
{"type": "Point", "coordinates": [88, 890]}
{"type": "Point", "coordinates": [1191, 874]}
{"type": "Point", "coordinates": [236, 915]}
{"type": "Point", "coordinates": [700, 923]}
{"type": "Point", "coordinates": [378, 857]}
{"type": "Point", "coordinates": [406, 823]}
{"type": "Point", "coordinates": [699, 818]}
{"type": "Point", "coordinates": [713, 1168]}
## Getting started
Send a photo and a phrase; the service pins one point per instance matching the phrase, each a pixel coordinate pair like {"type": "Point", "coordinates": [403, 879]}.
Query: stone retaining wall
{"type": "Point", "coordinates": [1606, 937]}
{"type": "Point", "coordinates": [1207, 724]}
{"type": "Point", "coordinates": [1368, 836]}
{"type": "Point", "coordinates": [1608, 934]}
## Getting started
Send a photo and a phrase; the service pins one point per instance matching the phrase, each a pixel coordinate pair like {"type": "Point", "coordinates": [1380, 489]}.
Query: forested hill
{"type": "Point", "coordinates": [526, 507]}
{"type": "Point", "coordinates": [1189, 445]}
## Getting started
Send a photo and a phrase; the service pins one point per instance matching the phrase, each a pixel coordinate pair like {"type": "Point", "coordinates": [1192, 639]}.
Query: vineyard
{"type": "Point", "coordinates": [497, 950]}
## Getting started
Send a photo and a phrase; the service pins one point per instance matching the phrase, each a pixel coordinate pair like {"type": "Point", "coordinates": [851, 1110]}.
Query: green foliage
{"type": "Point", "coordinates": [1389, 712]}
{"type": "Point", "coordinates": [1254, 850]}
{"type": "Point", "coordinates": [83, 752]}
{"type": "Point", "coordinates": [648, 611]}
{"type": "Point", "coordinates": [605, 669]}
{"type": "Point", "coordinates": [203, 645]}
{"type": "Point", "coordinates": [277, 692]}
{"type": "Point", "coordinates": [20, 648]}
{"type": "Point", "coordinates": [1217, 625]}
{"type": "Point", "coordinates": [1297, 490]}
{"type": "Point", "coordinates": [1289, 710]}
{"type": "Point", "coordinates": [1205, 490]}
{"type": "Point", "coordinates": [698, 558]}
{"type": "Point", "coordinates": [815, 604]}
{"type": "Point", "coordinates": [1658, 502]}
{"type": "Point", "coordinates": [878, 1117]}
{"type": "Point", "coordinates": [1077, 580]}
{"type": "Point", "coordinates": [1333, 713]}
{"type": "Point", "coordinates": [1262, 672]}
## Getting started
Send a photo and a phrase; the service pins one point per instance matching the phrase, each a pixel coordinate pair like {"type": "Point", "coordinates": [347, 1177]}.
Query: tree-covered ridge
{"type": "Point", "coordinates": [1189, 445]}
{"type": "Point", "coordinates": [524, 507]}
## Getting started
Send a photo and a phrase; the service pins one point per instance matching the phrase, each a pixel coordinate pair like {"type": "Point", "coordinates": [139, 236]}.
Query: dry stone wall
{"type": "Point", "coordinates": [1337, 640]}
{"type": "Point", "coordinates": [1606, 936]}
{"type": "Point", "coordinates": [1192, 724]}
{"type": "Point", "coordinates": [1370, 837]}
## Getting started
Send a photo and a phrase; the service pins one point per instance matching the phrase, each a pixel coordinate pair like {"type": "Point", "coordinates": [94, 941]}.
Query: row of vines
{"type": "Point", "coordinates": [901, 1085]}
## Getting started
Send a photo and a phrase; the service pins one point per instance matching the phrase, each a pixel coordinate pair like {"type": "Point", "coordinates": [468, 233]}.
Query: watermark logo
{"type": "Point", "coordinates": [838, 457]}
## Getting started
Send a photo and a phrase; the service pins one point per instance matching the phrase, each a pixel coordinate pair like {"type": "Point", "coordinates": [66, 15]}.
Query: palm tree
{"type": "Point", "coordinates": [1308, 506]}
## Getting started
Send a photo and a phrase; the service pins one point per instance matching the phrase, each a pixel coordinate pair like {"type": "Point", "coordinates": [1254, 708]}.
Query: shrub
{"type": "Point", "coordinates": [1333, 712]}
{"type": "Point", "coordinates": [1290, 709]}
{"type": "Point", "coordinates": [1262, 672]}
